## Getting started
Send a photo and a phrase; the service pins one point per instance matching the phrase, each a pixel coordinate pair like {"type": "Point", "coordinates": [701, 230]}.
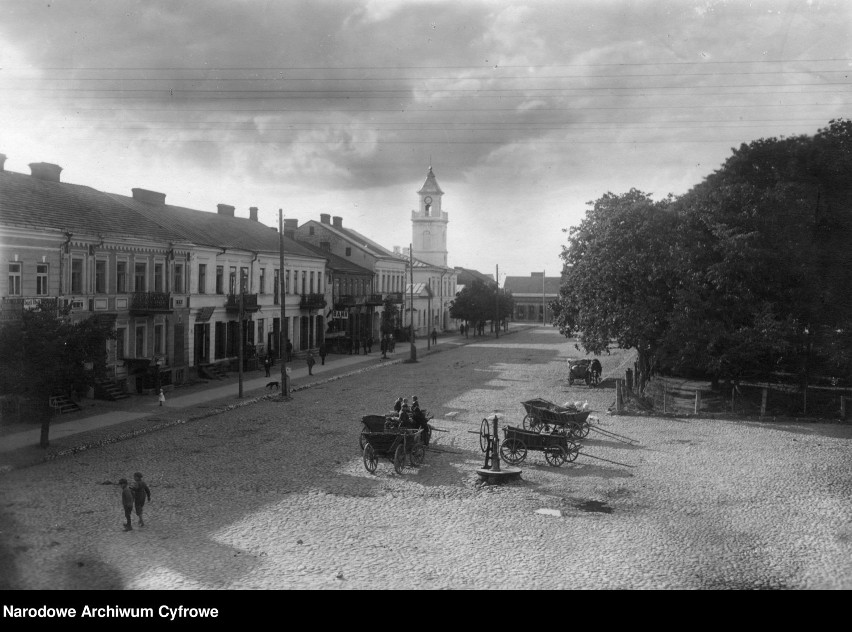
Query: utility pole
{"type": "Point", "coordinates": [241, 334]}
{"type": "Point", "coordinates": [282, 352]}
{"type": "Point", "coordinates": [413, 356]}
{"type": "Point", "coordinates": [428, 328]}
{"type": "Point", "coordinates": [497, 301]}
{"type": "Point", "coordinates": [543, 304]}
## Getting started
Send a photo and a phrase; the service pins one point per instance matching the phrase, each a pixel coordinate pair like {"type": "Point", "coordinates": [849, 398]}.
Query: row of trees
{"type": "Point", "coordinates": [747, 275]}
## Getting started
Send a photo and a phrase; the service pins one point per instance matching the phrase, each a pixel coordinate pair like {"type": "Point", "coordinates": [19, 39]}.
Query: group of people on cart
{"type": "Point", "coordinates": [412, 416]}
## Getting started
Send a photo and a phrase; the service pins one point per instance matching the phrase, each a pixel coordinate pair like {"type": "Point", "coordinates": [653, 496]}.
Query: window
{"type": "Point", "coordinates": [325, 245]}
{"type": "Point", "coordinates": [158, 277]}
{"type": "Point", "coordinates": [260, 338]}
{"type": "Point", "coordinates": [41, 279]}
{"type": "Point", "coordinates": [202, 278]}
{"type": "Point", "coordinates": [348, 251]}
{"type": "Point", "coordinates": [76, 276]}
{"type": "Point", "coordinates": [276, 279]}
{"type": "Point", "coordinates": [287, 282]}
{"type": "Point", "coordinates": [159, 346]}
{"type": "Point", "coordinates": [244, 280]}
{"type": "Point", "coordinates": [232, 280]}
{"type": "Point", "coordinates": [140, 341]}
{"type": "Point", "coordinates": [178, 285]}
{"type": "Point", "coordinates": [319, 283]}
{"type": "Point", "coordinates": [304, 280]}
{"type": "Point", "coordinates": [311, 230]}
{"type": "Point", "coordinates": [220, 279]}
{"type": "Point", "coordinates": [120, 277]}
{"type": "Point", "coordinates": [311, 286]}
{"type": "Point", "coordinates": [15, 279]}
{"type": "Point", "coordinates": [100, 277]}
{"type": "Point", "coordinates": [262, 281]}
{"type": "Point", "coordinates": [139, 277]}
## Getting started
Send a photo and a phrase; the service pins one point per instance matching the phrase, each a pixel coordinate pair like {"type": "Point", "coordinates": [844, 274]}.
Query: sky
{"type": "Point", "coordinates": [526, 111]}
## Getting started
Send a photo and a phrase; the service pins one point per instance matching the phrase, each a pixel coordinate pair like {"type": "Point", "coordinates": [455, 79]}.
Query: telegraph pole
{"type": "Point", "coordinates": [282, 352]}
{"type": "Point", "coordinates": [413, 357]}
{"type": "Point", "coordinates": [241, 333]}
{"type": "Point", "coordinates": [543, 304]}
{"type": "Point", "coordinates": [497, 301]}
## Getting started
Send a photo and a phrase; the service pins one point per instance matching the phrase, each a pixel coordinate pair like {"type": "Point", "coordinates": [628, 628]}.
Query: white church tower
{"type": "Point", "coordinates": [429, 224]}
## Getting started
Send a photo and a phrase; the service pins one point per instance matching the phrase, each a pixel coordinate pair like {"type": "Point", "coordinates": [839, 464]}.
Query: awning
{"type": "Point", "coordinates": [204, 314]}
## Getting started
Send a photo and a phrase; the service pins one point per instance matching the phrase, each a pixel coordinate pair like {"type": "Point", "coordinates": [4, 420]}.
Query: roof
{"type": "Point", "coordinates": [355, 238]}
{"type": "Point", "coordinates": [533, 284]}
{"type": "Point", "coordinates": [419, 263]}
{"type": "Point", "coordinates": [30, 202]}
{"type": "Point", "coordinates": [431, 185]}
{"type": "Point", "coordinates": [467, 276]}
{"type": "Point", "coordinates": [336, 262]}
{"type": "Point", "coordinates": [421, 290]}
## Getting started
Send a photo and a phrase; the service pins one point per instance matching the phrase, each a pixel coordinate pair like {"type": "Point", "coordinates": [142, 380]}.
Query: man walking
{"type": "Point", "coordinates": [322, 353]}
{"type": "Point", "coordinates": [310, 360]}
{"type": "Point", "coordinates": [434, 337]}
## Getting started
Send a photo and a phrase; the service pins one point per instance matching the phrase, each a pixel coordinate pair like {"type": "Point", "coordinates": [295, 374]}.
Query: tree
{"type": "Point", "coordinates": [479, 302]}
{"type": "Point", "coordinates": [390, 316]}
{"type": "Point", "coordinates": [42, 353]}
{"type": "Point", "coordinates": [618, 280]}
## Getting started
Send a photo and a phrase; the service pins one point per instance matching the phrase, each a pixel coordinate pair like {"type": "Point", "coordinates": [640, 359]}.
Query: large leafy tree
{"type": "Point", "coordinates": [390, 317]}
{"type": "Point", "coordinates": [618, 278]}
{"type": "Point", "coordinates": [481, 301]}
{"type": "Point", "coordinates": [43, 353]}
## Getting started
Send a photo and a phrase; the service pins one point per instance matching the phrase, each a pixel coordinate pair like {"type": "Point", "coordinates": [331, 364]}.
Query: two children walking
{"type": "Point", "coordinates": [134, 497]}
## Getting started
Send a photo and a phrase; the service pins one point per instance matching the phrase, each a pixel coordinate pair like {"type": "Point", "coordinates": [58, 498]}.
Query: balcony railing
{"type": "Point", "coordinates": [312, 301]}
{"type": "Point", "coordinates": [232, 303]}
{"type": "Point", "coordinates": [375, 299]}
{"type": "Point", "coordinates": [347, 300]}
{"type": "Point", "coordinates": [150, 302]}
{"type": "Point", "coordinates": [394, 297]}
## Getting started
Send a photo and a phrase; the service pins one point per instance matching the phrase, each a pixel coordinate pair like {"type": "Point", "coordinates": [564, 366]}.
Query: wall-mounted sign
{"type": "Point", "coordinates": [341, 314]}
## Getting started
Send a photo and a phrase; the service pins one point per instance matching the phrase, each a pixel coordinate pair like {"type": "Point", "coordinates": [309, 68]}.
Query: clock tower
{"type": "Point", "coordinates": [429, 224]}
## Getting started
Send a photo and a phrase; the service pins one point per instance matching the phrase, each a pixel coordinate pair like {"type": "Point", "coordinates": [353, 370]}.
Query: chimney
{"type": "Point", "coordinates": [253, 213]}
{"type": "Point", "coordinates": [2, 162]}
{"type": "Point", "coordinates": [224, 209]}
{"type": "Point", "coordinates": [325, 218]}
{"type": "Point", "coordinates": [396, 250]}
{"type": "Point", "coordinates": [290, 226]}
{"type": "Point", "coordinates": [45, 171]}
{"type": "Point", "coordinates": [338, 221]}
{"type": "Point", "coordinates": [149, 197]}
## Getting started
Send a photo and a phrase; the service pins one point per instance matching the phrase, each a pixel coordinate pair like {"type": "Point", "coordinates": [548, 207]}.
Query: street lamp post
{"type": "Point", "coordinates": [413, 357]}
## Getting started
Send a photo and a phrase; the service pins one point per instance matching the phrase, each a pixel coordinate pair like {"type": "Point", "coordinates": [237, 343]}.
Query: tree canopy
{"type": "Point", "coordinates": [747, 273]}
{"type": "Point", "coordinates": [479, 302]}
{"type": "Point", "coordinates": [43, 353]}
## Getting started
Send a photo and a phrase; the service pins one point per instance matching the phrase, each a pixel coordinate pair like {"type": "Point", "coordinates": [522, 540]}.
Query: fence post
{"type": "Point", "coordinates": [619, 398]}
{"type": "Point", "coordinates": [763, 395]}
{"type": "Point", "coordinates": [697, 402]}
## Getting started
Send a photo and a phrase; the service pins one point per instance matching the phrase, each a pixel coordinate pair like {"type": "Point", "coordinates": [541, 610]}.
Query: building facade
{"type": "Point", "coordinates": [532, 296]}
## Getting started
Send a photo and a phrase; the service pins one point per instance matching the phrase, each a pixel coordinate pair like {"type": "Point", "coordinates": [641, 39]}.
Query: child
{"type": "Point", "coordinates": [163, 396]}
{"type": "Point", "coordinates": [126, 502]}
{"type": "Point", "coordinates": [140, 492]}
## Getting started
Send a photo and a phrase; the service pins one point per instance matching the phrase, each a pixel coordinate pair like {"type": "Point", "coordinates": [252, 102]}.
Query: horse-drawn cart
{"type": "Point", "coordinates": [395, 445]}
{"type": "Point", "coordinates": [557, 447]}
{"type": "Point", "coordinates": [545, 416]}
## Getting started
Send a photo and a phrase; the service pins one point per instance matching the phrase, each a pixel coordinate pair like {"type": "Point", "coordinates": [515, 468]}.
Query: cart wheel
{"type": "Point", "coordinates": [362, 440]}
{"type": "Point", "coordinates": [528, 422]}
{"type": "Point", "coordinates": [572, 450]}
{"type": "Point", "coordinates": [513, 451]}
{"type": "Point", "coordinates": [418, 455]}
{"type": "Point", "coordinates": [371, 461]}
{"type": "Point", "coordinates": [583, 430]}
{"type": "Point", "coordinates": [556, 455]}
{"type": "Point", "coordinates": [399, 459]}
{"type": "Point", "coordinates": [483, 435]}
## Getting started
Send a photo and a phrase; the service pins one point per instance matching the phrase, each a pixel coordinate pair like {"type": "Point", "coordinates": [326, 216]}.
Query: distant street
{"type": "Point", "coordinates": [275, 495]}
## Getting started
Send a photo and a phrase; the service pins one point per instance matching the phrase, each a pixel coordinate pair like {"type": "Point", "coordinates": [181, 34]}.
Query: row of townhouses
{"type": "Point", "coordinates": [184, 288]}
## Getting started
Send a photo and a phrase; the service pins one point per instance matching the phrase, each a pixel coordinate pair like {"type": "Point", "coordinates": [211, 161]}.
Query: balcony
{"type": "Point", "coordinates": [375, 300]}
{"type": "Point", "coordinates": [232, 303]}
{"type": "Point", "coordinates": [147, 303]}
{"type": "Point", "coordinates": [312, 301]}
{"type": "Point", "coordinates": [395, 297]}
{"type": "Point", "coordinates": [346, 300]}
{"type": "Point", "coordinates": [11, 308]}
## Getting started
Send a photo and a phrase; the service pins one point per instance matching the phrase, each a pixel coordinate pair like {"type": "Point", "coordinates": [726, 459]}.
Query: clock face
{"type": "Point", "coordinates": [428, 200]}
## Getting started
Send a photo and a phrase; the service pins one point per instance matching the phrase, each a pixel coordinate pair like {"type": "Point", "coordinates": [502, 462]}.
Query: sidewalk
{"type": "Point", "coordinates": [21, 448]}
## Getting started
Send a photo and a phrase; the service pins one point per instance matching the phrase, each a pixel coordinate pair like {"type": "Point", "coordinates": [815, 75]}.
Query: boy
{"type": "Point", "coordinates": [126, 502]}
{"type": "Point", "coordinates": [140, 492]}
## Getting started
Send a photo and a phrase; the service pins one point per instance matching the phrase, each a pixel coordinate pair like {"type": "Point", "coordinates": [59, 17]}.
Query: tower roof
{"type": "Point", "coordinates": [431, 185]}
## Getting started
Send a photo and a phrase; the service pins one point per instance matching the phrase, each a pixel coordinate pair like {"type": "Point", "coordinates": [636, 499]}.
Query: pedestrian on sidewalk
{"type": "Point", "coordinates": [366, 346]}
{"type": "Point", "coordinates": [267, 364]}
{"type": "Point", "coordinates": [162, 397]}
{"type": "Point", "coordinates": [384, 344]}
{"type": "Point", "coordinates": [310, 360]}
{"type": "Point", "coordinates": [289, 350]}
{"type": "Point", "coordinates": [126, 503]}
{"type": "Point", "coordinates": [141, 492]}
{"type": "Point", "coordinates": [322, 353]}
{"type": "Point", "coordinates": [434, 337]}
